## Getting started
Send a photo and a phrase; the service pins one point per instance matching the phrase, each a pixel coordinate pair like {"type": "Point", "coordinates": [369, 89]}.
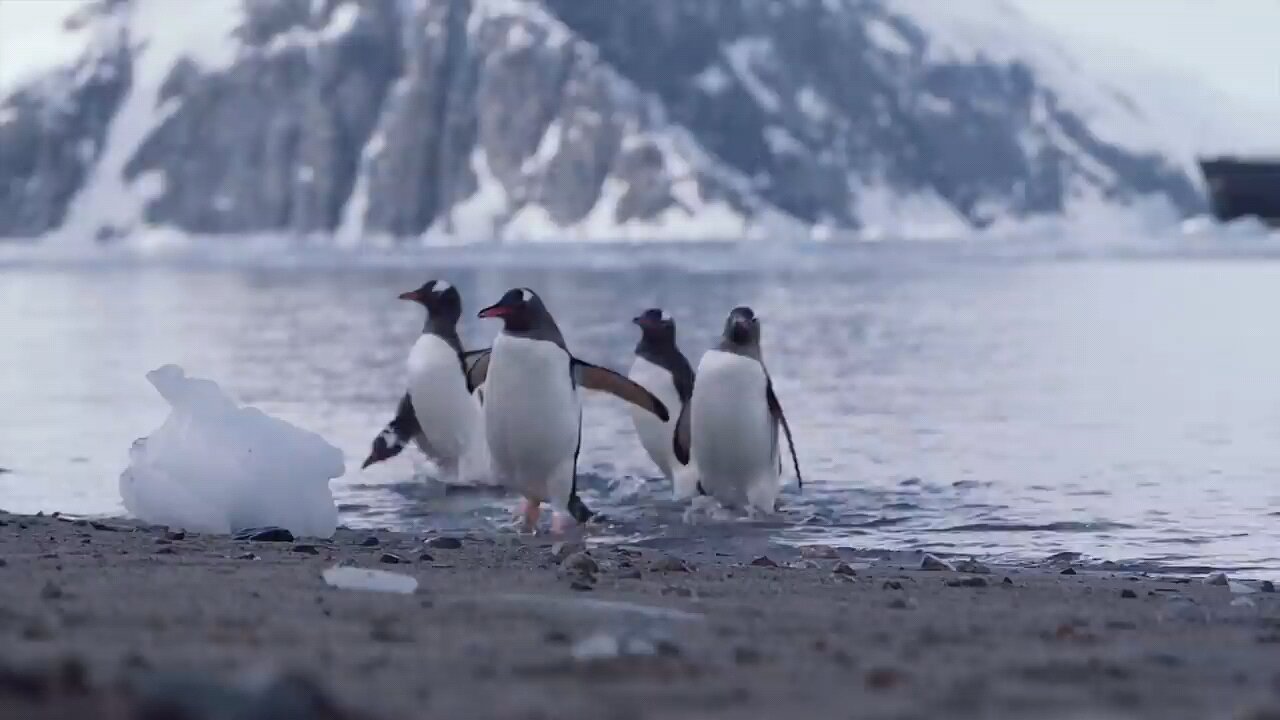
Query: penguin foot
{"type": "Point", "coordinates": [530, 511]}
{"type": "Point", "coordinates": [559, 523]}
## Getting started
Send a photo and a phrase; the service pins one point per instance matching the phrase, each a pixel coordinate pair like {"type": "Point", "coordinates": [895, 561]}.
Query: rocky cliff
{"type": "Point", "coordinates": [546, 119]}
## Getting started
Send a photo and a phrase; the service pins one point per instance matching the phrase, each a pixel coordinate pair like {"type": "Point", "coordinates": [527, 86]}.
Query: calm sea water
{"type": "Point", "coordinates": [1125, 409]}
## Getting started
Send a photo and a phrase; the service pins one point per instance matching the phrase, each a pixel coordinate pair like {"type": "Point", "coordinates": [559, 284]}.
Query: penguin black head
{"type": "Point", "coordinates": [742, 328]}
{"type": "Point", "coordinates": [656, 326]}
{"type": "Point", "coordinates": [441, 299]}
{"type": "Point", "coordinates": [520, 310]}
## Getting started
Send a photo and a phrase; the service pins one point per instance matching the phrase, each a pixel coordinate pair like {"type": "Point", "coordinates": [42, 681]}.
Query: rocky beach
{"type": "Point", "coordinates": [113, 619]}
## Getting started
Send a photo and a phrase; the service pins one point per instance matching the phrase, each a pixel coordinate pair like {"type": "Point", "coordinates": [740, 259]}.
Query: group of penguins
{"type": "Point", "coordinates": [511, 414]}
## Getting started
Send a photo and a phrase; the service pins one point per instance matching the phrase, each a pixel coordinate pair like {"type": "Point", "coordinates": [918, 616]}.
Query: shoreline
{"type": "Point", "coordinates": [507, 626]}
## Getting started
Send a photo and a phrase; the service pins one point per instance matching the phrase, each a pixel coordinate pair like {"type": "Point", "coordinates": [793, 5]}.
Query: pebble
{"type": "Point", "coordinates": [929, 562]}
{"type": "Point", "coordinates": [175, 535]}
{"type": "Point", "coordinates": [974, 582]}
{"type": "Point", "coordinates": [973, 567]}
{"type": "Point", "coordinates": [1216, 579]}
{"type": "Point", "coordinates": [1006, 581]}
{"type": "Point", "coordinates": [391, 559]}
{"type": "Point", "coordinates": [166, 550]}
{"type": "Point", "coordinates": [425, 556]}
{"type": "Point", "coordinates": [1243, 602]}
{"type": "Point", "coordinates": [267, 534]}
{"type": "Point", "coordinates": [581, 585]}
{"type": "Point", "coordinates": [819, 552]}
{"type": "Point", "coordinates": [444, 543]}
{"type": "Point", "coordinates": [562, 550]}
{"type": "Point", "coordinates": [1069, 571]}
{"type": "Point", "coordinates": [103, 526]}
{"type": "Point", "coordinates": [306, 549]}
{"type": "Point", "coordinates": [891, 585]}
{"type": "Point", "coordinates": [3, 562]}
{"type": "Point", "coordinates": [764, 561]}
{"type": "Point", "coordinates": [581, 562]}
{"type": "Point", "coordinates": [844, 569]}
{"type": "Point", "coordinates": [247, 556]}
{"type": "Point", "coordinates": [670, 563]}
{"type": "Point", "coordinates": [1128, 594]}
{"type": "Point", "coordinates": [370, 541]}
{"type": "Point", "coordinates": [51, 591]}
{"type": "Point", "coordinates": [1267, 586]}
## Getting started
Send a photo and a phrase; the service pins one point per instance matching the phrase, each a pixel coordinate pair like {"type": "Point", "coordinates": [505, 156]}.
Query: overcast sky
{"type": "Point", "coordinates": [1233, 45]}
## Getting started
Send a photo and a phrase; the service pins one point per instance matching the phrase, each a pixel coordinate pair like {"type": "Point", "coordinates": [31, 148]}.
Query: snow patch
{"type": "Point", "coordinates": [713, 80]}
{"type": "Point", "coordinates": [217, 467]}
{"type": "Point", "coordinates": [887, 213]}
{"type": "Point", "coordinates": [887, 37]}
{"type": "Point", "coordinates": [743, 56]}
{"type": "Point", "coordinates": [781, 142]}
{"type": "Point", "coordinates": [479, 216]}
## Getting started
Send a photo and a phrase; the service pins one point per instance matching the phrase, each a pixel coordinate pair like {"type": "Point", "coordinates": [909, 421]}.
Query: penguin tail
{"type": "Point", "coordinates": [579, 510]}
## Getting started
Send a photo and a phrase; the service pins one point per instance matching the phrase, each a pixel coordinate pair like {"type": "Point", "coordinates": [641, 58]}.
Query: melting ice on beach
{"type": "Point", "coordinates": [217, 467]}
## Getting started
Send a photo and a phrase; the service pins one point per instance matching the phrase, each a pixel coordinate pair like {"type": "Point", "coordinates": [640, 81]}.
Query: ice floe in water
{"type": "Point", "coordinates": [217, 467]}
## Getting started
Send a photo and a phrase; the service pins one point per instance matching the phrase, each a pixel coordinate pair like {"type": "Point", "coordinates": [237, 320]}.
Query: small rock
{"type": "Point", "coordinates": [562, 550]}
{"type": "Point", "coordinates": [1240, 588]}
{"type": "Point", "coordinates": [370, 541]}
{"type": "Point", "coordinates": [581, 562]}
{"type": "Point", "coordinates": [103, 527]}
{"type": "Point", "coordinates": [391, 558]}
{"type": "Point", "coordinates": [1128, 594]}
{"type": "Point", "coordinates": [1267, 586]}
{"type": "Point", "coordinates": [819, 552]}
{"type": "Point", "coordinates": [1006, 581]}
{"type": "Point", "coordinates": [973, 582]}
{"type": "Point", "coordinates": [764, 561]}
{"type": "Point", "coordinates": [247, 556]}
{"type": "Point", "coordinates": [306, 549]}
{"type": "Point", "coordinates": [425, 556]}
{"type": "Point", "coordinates": [929, 562]}
{"type": "Point", "coordinates": [891, 585]}
{"type": "Point", "coordinates": [899, 603]}
{"type": "Point", "coordinates": [1063, 557]}
{"type": "Point", "coordinates": [166, 550]}
{"type": "Point", "coordinates": [1243, 602]}
{"type": "Point", "coordinates": [1183, 610]}
{"type": "Point", "coordinates": [267, 534]}
{"type": "Point", "coordinates": [51, 591]}
{"type": "Point", "coordinates": [670, 563]}
{"type": "Point", "coordinates": [1216, 579]}
{"type": "Point", "coordinates": [444, 543]}
{"type": "Point", "coordinates": [3, 562]}
{"type": "Point", "coordinates": [973, 567]}
{"type": "Point", "coordinates": [844, 569]}
{"type": "Point", "coordinates": [1069, 571]}
{"type": "Point", "coordinates": [175, 535]}
{"type": "Point", "coordinates": [581, 585]}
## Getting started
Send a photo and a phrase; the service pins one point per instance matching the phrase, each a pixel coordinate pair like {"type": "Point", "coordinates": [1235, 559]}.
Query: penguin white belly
{"type": "Point", "coordinates": [532, 418]}
{"type": "Point", "coordinates": [655, 435]}
{"type": "Point", "coordinates": [733, 442]}
{"type": "Point", "coordinates": [450, 417]}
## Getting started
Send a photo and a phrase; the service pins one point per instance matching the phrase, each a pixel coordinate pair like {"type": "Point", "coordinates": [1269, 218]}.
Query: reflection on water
{"type": "Point", "coordinates": [1125, 409]}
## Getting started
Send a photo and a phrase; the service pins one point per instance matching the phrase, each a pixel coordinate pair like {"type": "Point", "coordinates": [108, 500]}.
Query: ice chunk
{"type": "Point", "coordinates": [352, 578]}
{"type": "Point", "coordinates": [217, 467]}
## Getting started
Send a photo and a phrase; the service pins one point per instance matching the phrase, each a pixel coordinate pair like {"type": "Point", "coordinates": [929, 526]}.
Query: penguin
{"type": "Point", "coordinates": [663, 370]}
{"type": "Point", "coordinates": [441, 410]}
{"type": "Point", "coordinates": [730, 425]}
{"type": "Point", "coordinates": [533, 416]}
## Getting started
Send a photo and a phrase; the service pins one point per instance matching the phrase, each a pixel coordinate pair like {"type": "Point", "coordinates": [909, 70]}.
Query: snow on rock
{"type": "Point", "coordinates": [217, 467]}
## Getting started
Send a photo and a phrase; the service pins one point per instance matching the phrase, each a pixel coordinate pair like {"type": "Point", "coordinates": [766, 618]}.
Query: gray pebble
{"type": "Point", "coordinates": [1216, 579]}
{"type": "Point", "coordinates": [973, 567]}
{"type": "Point", "coordinates": [1069, 571]}
{"type": "Point", "coordinates": [929, 562]}
{"type": "Point", "coordinates": [444, 543]}
{"type": "Point", "coordinates": [764, 561]}
{"type": "Point", "coordinates": [425, 556]}
{"type": "Point", "coordinates": [1267, 586]}
{"type": "Point", "coordinates": [670, 563]}
{"type": "Point", "coordinates": [391, 558]}
{"type": "Point", "coordinates": [306, 549]}
{"type": "Point", "coordinates": [247, 556]}
{"type": "Point", "coordinates": [175, 535]}
{"type": "Point", "coordinates": [166, 550]}
{"type": "Point", "coordinates": [370, 541]}
{"type": "Point", "coordinates": [1128, 594]}
{"type": "Point", "coordinates": [580, 562]}
{"type": "Point", "coordinates": [844, 569]}
{"type": "Point", "coordinates": [819, 552]}
{"type": "Point", "coordinates": [891, 585]}
{"type": "Point", "coordinates": [973, 582]}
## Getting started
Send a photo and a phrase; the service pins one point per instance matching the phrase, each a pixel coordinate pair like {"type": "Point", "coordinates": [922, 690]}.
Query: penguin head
{"type": "Point", "coordinates": [519, 309]}
{"type": "Point", "coordinates": [440, 298]}
{"type": "Point", "coordinates": [656, 325]}
{"type": "Point", "coordinates": [742, 327]}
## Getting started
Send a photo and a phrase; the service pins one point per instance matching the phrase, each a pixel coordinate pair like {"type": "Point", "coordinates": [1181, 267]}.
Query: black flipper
{"type": "Point", "coordinates": [578, 510]}
{"type": "Point", "coordinates": [775, 409]}
{"type": "Point", "coordinates": [396, 435]}
{"type": "Point", "coordinates": [680, 441]}
{"type": "Point", "coordinates": [594, 377]}
{"type": "Point", "coordinates": [475, 366]}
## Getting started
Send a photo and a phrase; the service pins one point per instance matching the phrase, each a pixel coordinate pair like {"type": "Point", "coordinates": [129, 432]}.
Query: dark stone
{"type": "Point", "coordinates": [677, 591]}
{"type": "Point", "coordinates": [51, 591]}
{"type": "Point", "coordinates": [764, 561]}
{"type": "Point", "coordinates": [970, 582]}
{"type": "Point", "coordinates": [1006, 581]}
{"type": "Point", "coordinates": [844, 569]}
{"type": "Point", "coordinates": [444, 543]}
{"type": "Point", "coordinates": [581, 585]}
{"type": "Point", "coordinates": [175, 535]}
{"type": "Point", "coordinates": [104, 527]}
{"type": "Point", "coordinates": [1069, 571]}
{"type": "Point", "coordinates": [268, 534]}
{"type": "Point", "coordinates": [247, 556]}
{"type": "Point", "coordinates": [1128, 594]}
{"type": "Point", "coordinates": [166, 551]}
{"type": "Point", "coordinates": [1268, 586]}
{"type": "Point", "coordinates": [306, 549]}
{"type": "Point", "coordinates": [370, 541]}
{"type": "Point", "coordinates": [425, 556]}
{"type": "Point", "coordinates": [891, 585]}
{"type": "Point", "coordinates": [669, 563]}
{"type": "Point", "coordinates": [580, 562]}
{"type": "Point", "coordinates": [391, 559]}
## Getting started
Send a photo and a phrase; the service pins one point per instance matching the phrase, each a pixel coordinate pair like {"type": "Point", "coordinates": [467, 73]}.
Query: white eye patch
{"type": "Point", "coordinates": [442, 285]}
{"type": "Point", "coordinates": [666, 316]}
{"type": "Point", "coordinates": [525, 295]}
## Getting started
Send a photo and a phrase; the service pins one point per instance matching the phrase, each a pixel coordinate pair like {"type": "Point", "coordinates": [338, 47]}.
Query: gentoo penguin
{"type": "Point", "coordinates": [732, 421]}
{"type": "Point", "coordinates": [533, 416]}
{"type": "Point", "coordinates": [439, 411]}
{"type": "Point", "coordinates": [663, 370]}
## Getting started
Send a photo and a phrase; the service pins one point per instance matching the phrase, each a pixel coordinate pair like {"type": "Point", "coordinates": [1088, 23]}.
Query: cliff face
{"type": "Point", "coordinates": [527, 119]}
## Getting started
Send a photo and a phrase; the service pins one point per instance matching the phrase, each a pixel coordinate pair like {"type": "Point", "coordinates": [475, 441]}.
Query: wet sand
{"type": "Point", "coordinates": [112, 616]}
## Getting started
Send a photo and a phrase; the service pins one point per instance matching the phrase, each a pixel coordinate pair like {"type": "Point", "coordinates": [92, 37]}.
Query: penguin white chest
{"type": "Point", "coordinates": [656, 436]}
{"type": "Point", "coordinates": [448, 414]}
{"type": "Point", "coordinates": [532, 416]}
{"type": "Point", "coordinates": [734, 443]}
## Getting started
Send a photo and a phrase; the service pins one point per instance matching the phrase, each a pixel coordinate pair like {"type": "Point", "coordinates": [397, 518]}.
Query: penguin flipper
{"type": "Point", "coordinates": [680, 440]}
{"type": "Point", "coordinates": [775, 410]}
{"type": "Point", "coordinates": [475, 365]}
{"type": "Point", "coordinates": [402, 428]}
{"type": "Point", "coordinates": [594, 377]}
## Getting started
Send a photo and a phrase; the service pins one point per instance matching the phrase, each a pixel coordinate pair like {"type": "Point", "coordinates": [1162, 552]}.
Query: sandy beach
{"type": "Point", "coordinates": [116, 619]}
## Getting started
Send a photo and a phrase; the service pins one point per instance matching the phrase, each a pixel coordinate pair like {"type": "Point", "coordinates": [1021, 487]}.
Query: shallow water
{"type": "Point", "coordinates": [1125, 409]}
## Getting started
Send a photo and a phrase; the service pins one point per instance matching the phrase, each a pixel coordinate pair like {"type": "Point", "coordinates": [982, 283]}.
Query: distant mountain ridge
{"type": "Point", "coordinates": [459, 120]}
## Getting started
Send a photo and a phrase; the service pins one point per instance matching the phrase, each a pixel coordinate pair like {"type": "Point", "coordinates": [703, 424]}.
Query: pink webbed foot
{"type": "Point", "coordinates": [528, 514]}
{"type": "Point", "coordinates": [560, 523]}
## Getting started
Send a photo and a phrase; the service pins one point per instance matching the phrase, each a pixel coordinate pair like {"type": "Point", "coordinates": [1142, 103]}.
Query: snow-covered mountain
{"type": "Point", "coordinates": [456, 120]}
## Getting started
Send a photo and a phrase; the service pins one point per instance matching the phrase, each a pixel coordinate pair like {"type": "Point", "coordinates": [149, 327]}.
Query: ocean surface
{"type": "Point", "coordinates": [1010, 407]}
